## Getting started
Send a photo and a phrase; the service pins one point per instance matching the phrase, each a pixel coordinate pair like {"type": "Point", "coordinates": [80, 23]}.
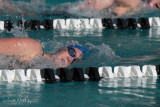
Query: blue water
{"type": "Point", "coordinates": [106, 48]}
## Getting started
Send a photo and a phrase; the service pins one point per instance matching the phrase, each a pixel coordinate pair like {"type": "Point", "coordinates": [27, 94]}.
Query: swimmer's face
{"type": "Point", "coordinates": [64, 59]}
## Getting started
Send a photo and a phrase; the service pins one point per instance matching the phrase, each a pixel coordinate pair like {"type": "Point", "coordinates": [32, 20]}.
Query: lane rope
{"type": "Point", "coordinates": [78, 74]}
{"type": "Point", "coordinates": [78, 24]}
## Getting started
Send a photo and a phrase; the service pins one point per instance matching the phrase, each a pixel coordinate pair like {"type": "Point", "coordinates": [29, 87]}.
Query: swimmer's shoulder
{"type": "Point", "coordinates": [33, 45]}
{"type": "Point", "coordinates": [36, 44]}
{"type": "Point", "coordinates": [29, 43]}
{"type": "Point", "coordinates": [30, 40]}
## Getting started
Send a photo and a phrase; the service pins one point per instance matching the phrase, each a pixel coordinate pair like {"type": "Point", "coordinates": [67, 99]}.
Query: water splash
{"type": "Point", "coordinates": [98, 55]}
{"type": "Point", "coordinates": [19, 31]}
{"type": "Point", "coordinates": [103, 51]}
{"type": "Point", "coordinates": [11, 62]}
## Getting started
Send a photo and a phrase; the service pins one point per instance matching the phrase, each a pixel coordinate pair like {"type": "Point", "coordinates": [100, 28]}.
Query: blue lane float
{"type": "Point", "coordinates": [78, 24]}
{"type": "Point", "coordinates": [78, 74]}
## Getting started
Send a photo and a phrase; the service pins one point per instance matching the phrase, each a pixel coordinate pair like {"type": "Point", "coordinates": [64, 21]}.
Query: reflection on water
{"type": "Point", "coordinates": [17, 93]}
{"type": "Point", "coordinates": [155, 33]}
{"type": "Point", "coordinates": [135, 91]}
{"type": "Point", "coordinates": [145, 82]}
{"type": "Point", "coordinates": [108, 92]}
{"type": "Point", "coordinates": [78, 33]}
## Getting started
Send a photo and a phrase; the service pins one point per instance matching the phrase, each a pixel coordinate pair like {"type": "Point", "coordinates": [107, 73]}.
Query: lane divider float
{"type": "Point", "coordinates": [78, 24]}
{"type": "Point", "coordinates": [78, 74]}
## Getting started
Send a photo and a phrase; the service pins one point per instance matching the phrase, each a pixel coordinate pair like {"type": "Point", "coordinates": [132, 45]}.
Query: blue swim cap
{"type": "Point", "coordinates": [84, 50]}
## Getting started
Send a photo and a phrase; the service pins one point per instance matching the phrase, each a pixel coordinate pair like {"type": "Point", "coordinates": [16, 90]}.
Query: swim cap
{"type": "Point", "coordinates": [84, 50]}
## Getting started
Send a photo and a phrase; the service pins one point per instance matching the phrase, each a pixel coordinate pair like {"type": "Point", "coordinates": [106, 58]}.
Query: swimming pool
{"type": "Point", "coordinates": [106, 48]}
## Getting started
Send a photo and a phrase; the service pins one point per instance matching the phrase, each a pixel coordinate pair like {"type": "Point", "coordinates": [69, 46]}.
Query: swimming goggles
{"type": "Point", "coordinates": [158, 6]}
{"type": "Point", "coordinates": [72, 53]}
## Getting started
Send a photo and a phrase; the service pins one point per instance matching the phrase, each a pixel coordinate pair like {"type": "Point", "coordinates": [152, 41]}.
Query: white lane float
{"type": "Point", "coordinates": [73, 24]}
{"type": "Point", "coordinates": [19, 75]}
{"type": "Point", "coordinates": [154, 21]}
{"type": "Point", "coordinates": [106, 72]}
{"type": "Point", "coordinates": [127, 71]}
{"type": "Point", "coordinates": [59, 24]}
{"type": "Point", "coordinates": [84, 24]}
{"type": "Point", "coordinates": [34, 74]}
{"type": "Point", "coordinates": [149, 70]}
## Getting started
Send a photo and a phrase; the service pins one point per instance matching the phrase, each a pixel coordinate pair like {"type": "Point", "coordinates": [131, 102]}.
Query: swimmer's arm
{"type": "Point", "coordinates": [122, 8]}
{"type": "Point", "coordinates": [98, 4]}
{"type": "Point", "coordinates": [103, 4]}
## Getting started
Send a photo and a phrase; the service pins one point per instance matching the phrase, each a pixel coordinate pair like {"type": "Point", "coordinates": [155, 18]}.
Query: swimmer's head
{"type": "Point", "coordinates": [68, 55]}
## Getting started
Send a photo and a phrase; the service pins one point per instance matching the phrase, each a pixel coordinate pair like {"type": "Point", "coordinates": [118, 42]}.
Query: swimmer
{"type": "Point", "coordinates": [27, 49]}
{"type": "Point", "coordinates": [98, 4]}
{"type": "Point", "coordinates": [120, 6]}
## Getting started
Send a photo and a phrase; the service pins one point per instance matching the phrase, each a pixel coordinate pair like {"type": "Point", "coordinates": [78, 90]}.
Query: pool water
{"type": "Point", "coordinates": [106, 93]}
{"type": "Point", "coordinates": [106, 48]}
